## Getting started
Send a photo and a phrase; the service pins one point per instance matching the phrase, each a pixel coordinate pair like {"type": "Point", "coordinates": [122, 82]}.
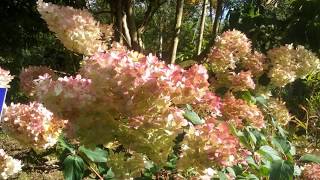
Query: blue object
{"type": "Point", "coordinates": [3, 93]}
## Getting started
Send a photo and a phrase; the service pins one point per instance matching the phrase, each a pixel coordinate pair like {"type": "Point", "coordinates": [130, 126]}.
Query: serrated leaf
{"type": "Point", "coordinates": [281, 144]}
{"type": "Point", "coordinates": [269, 153]}
{"type": "Point", "coordinates": [73, 168]}
{"type": "Point", "coordinates": [96, 155]}
{"type": "Point", "coordinates": [310, 158]}
{"type": "Point", "coordinates": [281, 170]}
{"type": "Point", "coordinates": [193, 117]}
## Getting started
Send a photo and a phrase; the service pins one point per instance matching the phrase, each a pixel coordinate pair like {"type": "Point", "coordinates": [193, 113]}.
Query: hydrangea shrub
{"type": "Point", "coordinates": [143, 104]}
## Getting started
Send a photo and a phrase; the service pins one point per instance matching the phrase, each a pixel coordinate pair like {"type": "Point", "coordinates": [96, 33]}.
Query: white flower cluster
{"type": "Point", "coordinates": [289, 64]}
{"type": "Point", "coordinates": [8, 165]}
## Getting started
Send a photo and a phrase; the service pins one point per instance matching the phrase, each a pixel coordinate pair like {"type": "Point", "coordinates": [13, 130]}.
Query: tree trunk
{"type": "Point", "coordinates": [179, 13]}
{"type": "Point", "coordinates": [217, 18]}
{"type": "Point", "coordinates": [126, 30]}
{"type": "Point", "coordinates": [132, 25]}
{"type": "Point", "coordinates": [202, 24]}
{"type": "Point", "coordinates": [160, 38]}
{"type": "Point", "coordinates": [201, 57]}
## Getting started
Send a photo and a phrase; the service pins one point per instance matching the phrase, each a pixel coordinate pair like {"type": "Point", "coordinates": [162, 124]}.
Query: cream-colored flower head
{"type": "Point", "coordinates": [76, 29]}
{"type": "Point", "coordinates": [8, 165]}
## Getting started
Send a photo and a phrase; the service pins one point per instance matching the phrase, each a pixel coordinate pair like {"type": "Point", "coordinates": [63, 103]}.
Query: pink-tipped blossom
{"type": "Point", "coordinates": [28, 75]}
{"type": "Point", "coordinates": [32, 125]}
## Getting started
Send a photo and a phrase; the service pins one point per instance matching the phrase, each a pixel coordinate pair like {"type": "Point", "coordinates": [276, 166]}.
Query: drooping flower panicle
{"type": "Point", "coordinates": [76, 29]}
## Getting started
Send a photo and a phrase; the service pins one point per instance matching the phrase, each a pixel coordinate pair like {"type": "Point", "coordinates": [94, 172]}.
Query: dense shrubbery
{"type": "Point", "coordinates": [128, 115]}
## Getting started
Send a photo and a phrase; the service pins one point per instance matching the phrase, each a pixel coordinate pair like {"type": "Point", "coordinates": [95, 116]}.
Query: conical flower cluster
{"type": "Point", "coordinates": [76, 29]}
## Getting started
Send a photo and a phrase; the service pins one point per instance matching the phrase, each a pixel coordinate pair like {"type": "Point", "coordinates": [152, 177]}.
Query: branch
{"type": "Point", "coordinates": [151, 10]}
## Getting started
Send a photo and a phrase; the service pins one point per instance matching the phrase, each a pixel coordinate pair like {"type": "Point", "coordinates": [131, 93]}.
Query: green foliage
{"type": "Point", "coordinates": [310, 158]}
{"type": "Point", "coordinates": [192, 116]}
{"type": "Point", "coordinates": [281, 170]}
{"type": "Point", "coordinates": [73, 167]}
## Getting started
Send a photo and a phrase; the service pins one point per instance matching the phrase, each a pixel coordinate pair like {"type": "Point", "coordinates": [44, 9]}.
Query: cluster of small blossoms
{"type": "Point", "coordinates": [8, 165]}
{"type": "Point", "coordinates": [5, 78]}
{"type": "Point", "coordinates": [289, 63]}
{"type": "Point", "coordinates": [237, 111]}
{"type": "Point", "coordinates": [28, 75]}
{"type": "Point", "coordinates": [211, 145]}
{"type": "Point", "coordinates": [256, 63]}
{"type": "Point", "coordinates": [311, 172]}
{"type": "Point", "coordinates": [130, 96]}
{"type": "Point", "coordinates": [235, 81]}
{"type": "Point", "coordinates": [279, 111]}
{"type": "Point", "coordinates": [232, 51]}
{"type": "Point", "coordinates": [32, 125]}
{"type": "Point", "coordinates": [76, 29]}
{"type": "Point", "coordinates": [229, 49]}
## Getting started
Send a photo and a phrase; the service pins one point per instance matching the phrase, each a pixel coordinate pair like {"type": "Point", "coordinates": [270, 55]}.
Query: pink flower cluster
{"type": "Point", "coordinates": [238, 112]}
{"type": "Point", "coordinates": [232, 51]}
{"type": "Point", "coordinates": [28, 75]}
{"type": "Point", "coordinates": [229, 49]}
{"type": "Point", "coordinates": [311, 172]}
{"type": "Point", "coordinates": [211, 145]}
{"type": "Point", "coordinates": [5, 78]}
{"type": "Point", "coordinates": [125, 96]}
{"type": "Point", "coordinates": [125, 82]}
{"type": "Point", "coordinates": [32, 125]}
{"type": "Point", "coordinates": [67, 96]}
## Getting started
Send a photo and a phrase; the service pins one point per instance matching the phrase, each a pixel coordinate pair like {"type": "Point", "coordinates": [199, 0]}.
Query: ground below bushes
{"type": "Point", "coordinates": [35, 166]}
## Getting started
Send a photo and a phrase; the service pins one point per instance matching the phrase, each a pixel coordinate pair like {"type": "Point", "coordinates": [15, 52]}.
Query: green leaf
{"type": "Point", "coordinates": [251, 162]}
{"type": "Point", "coordinates": [261, 100]}
{"type": "Point", "coordinates": [231, 171]}
{"type": "Point", "coordinates": [64, 144]}
{"type": "Point", "coordinates": [264, 170]}
{"type": "Point", "coordinates": [222, 176]}
{"type": "Point", "coordinates": [269, 153]}
{"type": "Point", "coordinates": [96, 155]}
{"type": "Point", "coordinates": [246, 95]}
{"type": "Point", "coordinates": [281, 144]}
{"type": "Point", "coordinates": [109, 175]}
{"type": "Point", "coordinates": [281, 170]}
{"type": "Point", "coordinates": [193, 117]}
{"type": "Point", "coordinates": [73, 168]}
{"type": "Point", "coordinates": [310, 158]}
{"type": "Point", "coordinates": [252, 177]}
